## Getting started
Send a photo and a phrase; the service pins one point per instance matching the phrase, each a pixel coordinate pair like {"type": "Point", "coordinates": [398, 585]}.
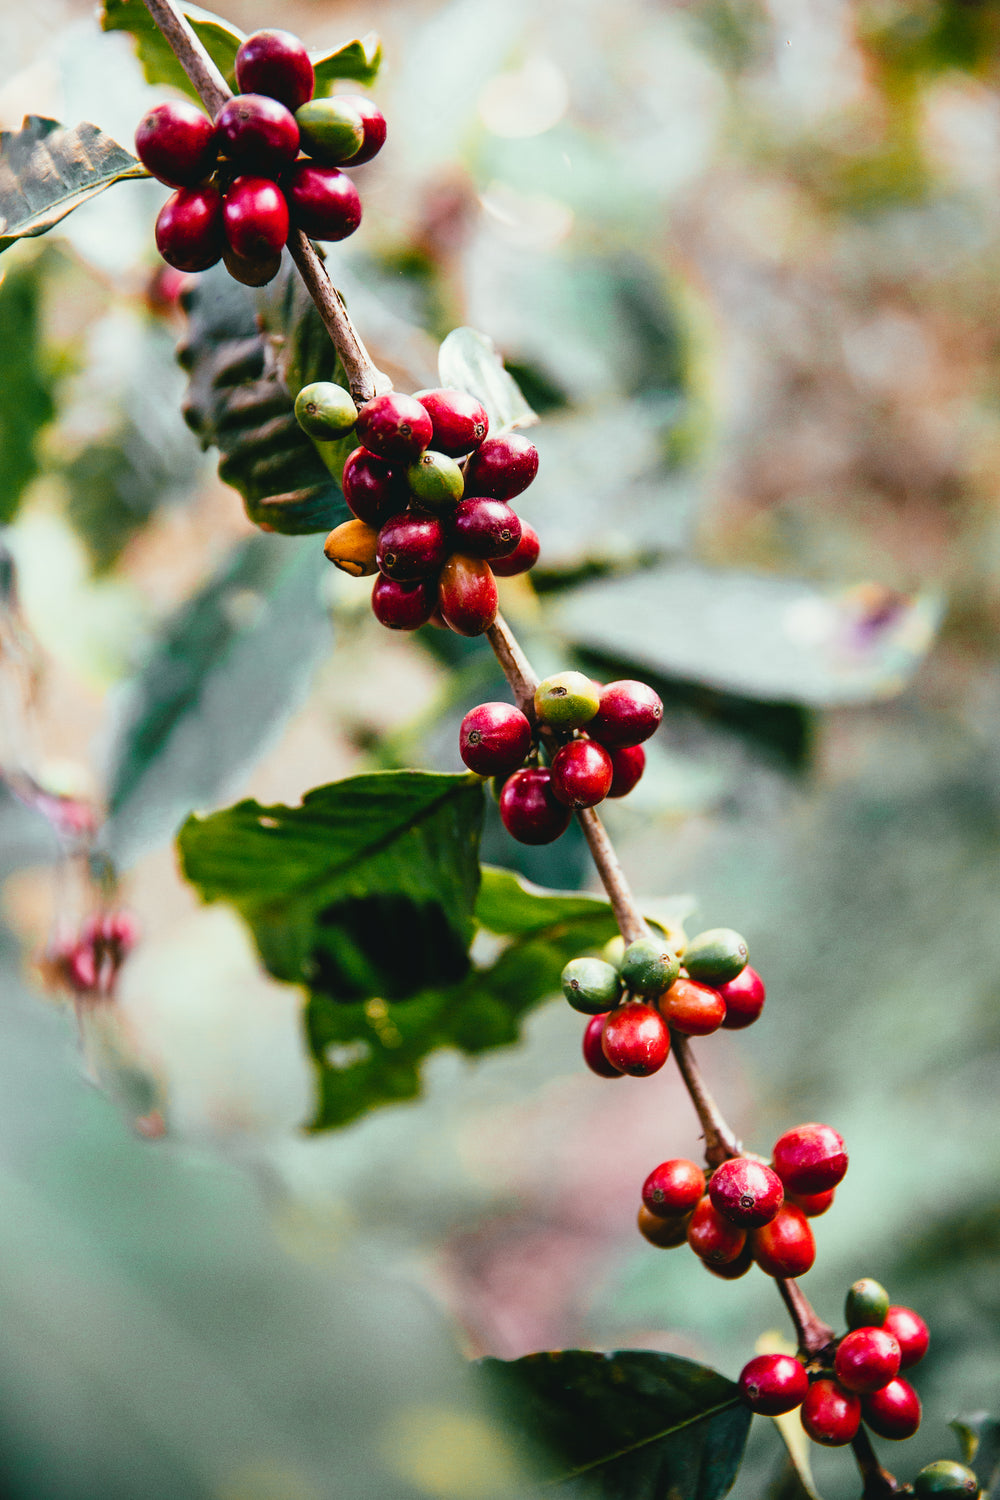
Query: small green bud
{"type": "Point", "coordinates": [591, 985]}
{"type": "Point", "coordinates": [567, 701]}
{"type": "Point", "coordinates": [330, 130]}
{"type": "Point", "coordinates": [867, 1304]}
{"type": "Point", "coordinates": [436, 481]}
{"type": "Point", "coordinates": [715, 956]}
{"type": "Point", "coordinates": [325, 411]}
{"type": "Point", "coordinates": [943, 1477]}
{"type": "Point", "coordinates": [649, 967]}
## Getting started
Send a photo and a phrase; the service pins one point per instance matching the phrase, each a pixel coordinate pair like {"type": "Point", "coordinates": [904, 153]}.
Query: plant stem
{"type": "Point", "coordinates": [879, 1484]}
{"type": "Point", "coordinates": [364, 380]}
{"type": "Point", "coordinates": [813, 1333]}
{"type": "Point", "coordinates": [211, 87]}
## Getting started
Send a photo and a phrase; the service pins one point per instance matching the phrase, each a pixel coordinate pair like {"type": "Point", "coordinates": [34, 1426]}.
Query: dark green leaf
{"type": "Point", "coordinates": [27, 403]}
{"type": "Point", "coordinates": [979, 1439]}
{"type": "Point", "coordinates": [160, 65]}
{"type": "Point", "coordinates": [512, 906]}
{"type": "Point", "coordinates": [633, 1425]}
{"type": "Point", "coordinates": [47, 170]}
{"type": "Point", "coordinates": [468, 361]}
{"type": "Point", "coordinates": [358, 61]}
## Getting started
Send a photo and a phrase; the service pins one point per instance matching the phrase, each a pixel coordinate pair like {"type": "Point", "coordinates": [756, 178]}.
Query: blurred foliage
{"type": "Point", "coordinates": [28, 397]}
{"type": "Point", "coordinates": [47, 170]}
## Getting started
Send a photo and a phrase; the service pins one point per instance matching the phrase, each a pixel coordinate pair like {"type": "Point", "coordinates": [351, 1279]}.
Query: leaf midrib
{"type": "Point", "coordinates": [656, 1437]}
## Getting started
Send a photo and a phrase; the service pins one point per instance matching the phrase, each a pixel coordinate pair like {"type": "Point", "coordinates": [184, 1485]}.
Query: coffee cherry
{"type": "Point", "coordinates": [529, 810]}
{"type": "Point", "coordinates": [785, 1247]}
{"type": "Point", "coordinates": [411, 546]}
{"type": "Point", "coordinates": [593, 1052]}
{"type": "Point", "coordinates": [275, 63]}
{"type": "Point", "coordinates": [809, 1158]}
{"type": "Point", "coordinates": [502, 467]}
{"type": "Point", "coordinates": [331, 131]}
{"type": "Point", "coordinates": [524, 556]}
{"type": "Point", "coordinates": [811, 1204]}
{"type": "Point", "coordinates": [648, 966]}
{"type": "Point", "coordinates": [581, 773]}
{"type": "Point", "coordinates": [773, 1383]}
{"type": "Point", "coordinates": [189, 232]}
{"type": "Point", "coordinates": [460, 421]}
{"type": "Point", "coordinates": [627, 766]}
{"type": "Point", "coordinates": [733, 1269]}
{"type": "Point", "coordinates": [591, 985]}
{"type": "Point", "coordinates": [746, 1192]}
{"type": "Point", "coordinates": [629, 712]}
{"type": "Point", "coordinates": [911, 1334]}
{"type": "Point", "coordinates": [325, 205]}
{"type": "Point", "coordinates": [255, 217]}
{"type": "Point", "coordinates": [402, 606]}
{"type": "Point", "coordinates": [255, 270]}
{"type": "Point", "coordinates": [486, 528]}
{"type": "Point", "coordinates": [493, 739]}
{"type": "Point", "coordinates": [829, 1415]}
{"type": "Point", "coordinates": [176, 142]}
{"type": "Point", "coordinates": [674, 1188]}
{"type": "Point", "coordinates": [566, 701]}
{"type": "Point", "coordinates": [467, 594]}
{"type": "Point", "coordinates": [692, 1009]}
{"type": "Point", "coordinates": [945, 1478]}
{"type": "Point", "coordinates": [373, 488]}
{"type": "Point", "coordinates": [713, 1237]}
{"type": "Point", "coordinates": [374, 122]}
{"type": "Point", "coordinates": [436, 482]}
{"type": "Point", "coordinates": [866, 1305]}
{"type": "Point", "coordinates": [635, 1039]}
{"type": "Point", "coordinates": [325, 411]}
{"type": "Point", "coordinates": [716, 956]}
{"type": "Point", "coordinates": [394, 426]}
{"type": "Point", "coordinates": [257, 133]}
{"type": "Point", "coordinates": [744, 997]}
{"type": "Point", "coordinates": [894, 1411]}
{"type": "Point", "coordinates": [351, 547]}
{"type": "Point", "coordinates": [667, 1234]}
{"type": "Point", "coordinates": [866, 1360]}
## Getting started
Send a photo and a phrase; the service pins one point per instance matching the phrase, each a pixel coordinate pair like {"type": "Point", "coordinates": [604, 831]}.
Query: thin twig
{"type": "Point", "coordinates": [211, 87]}
{"type": "Point", "coordinates": [813, 1333]}
{"type": "Point", "coordinates": [879, 1484]}
{"type": "Point", "coordinates": [515, 665]}
{"type": "Point", "coordinates": [364, 380]}
{"type": "Point", "coordinates": [720, 1141]}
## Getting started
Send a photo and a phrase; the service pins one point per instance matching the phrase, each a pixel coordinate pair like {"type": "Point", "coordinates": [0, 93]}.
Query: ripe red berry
{"type": "Point", "coordinates": [485, 528]}
{"type": "Point", "coordinates": [627, 765]}
{"type": "Point", "coordinates": [255, 270]}
{"type": "Point", "coordinates": [667, 1234]}
{"type": "Point", "coordinates": [894, 1411]}
{"type": "Point", "coordinates": [411, 546]}
{"type": "Point", "coordinates": [635, 1039]}
{"type": "Point", "coordinates": [712, 1237]}
{"type": "Point", "coordinates": [373, 120]}
{"type": "Point", "coordinates": [460, 421]}
{"type": "Point", "coordinates": [502, 467]}
{"type": "Point", "coordinates": [629, 713]}
{"type": "Point", "coordinates": [692, 1009]}
{"type": "Point", "coordinates": [324, 203]}
{"type": "Point", "coordinates": [257, 133]}
{"type": "Point", "coordinates": [530, 811]}
{"type": "Point", "coordinates": [189, 232]}
{"type": "Point", "coordinates": [910, 1332]}
{"type": "Point", "coordinates": [811, 1204]}
{"type": "Point", "coordinates": [467, 594]}
{"type": "Point", "coordinates": [176, 142]}
{"type": "Point", "coordinates": [581, 773]}
{"type": "Point", "coordinates": [746, 1192]}
{"type": "Point", "coordinates": [866, 1360]}
{"type": "Point", "coordinates": [744, 997]}
{"type": "Point", "coordinates": [674, 1187]}
{"type": "Point", "coordinates": [773, 1384]}
{"type": "Point", "coordinates": [524, 556]}
{"type": "Point", "coordinates": [394, 426]}
{"type": "Point", "coordinates": [402, 606]}
{"type": "Point", "coordinates": [810, 1158]}
{"type": "Point", "coordinates": [275, 63]}
{"type": "Point", "coordinates": [785, 1247]}
{"type": "Point", "coordinates": [733, 1269]}
{"type": "Point", "coordinates": [593, 1052]}
{"type": "Point", "coordinates": [255, 217]}
{"type": "Point", "coordinates": [373, 488]}
{"type": "Point", "coordinates": [830, 1415]}
{"type": "Point", "coordinates": [494, 738]}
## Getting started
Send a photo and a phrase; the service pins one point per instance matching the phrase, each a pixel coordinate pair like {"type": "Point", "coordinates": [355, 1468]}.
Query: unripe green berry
{"type": "Point", "coordinates": [867, 1304]}
{"type": "Point", "coordinates": [325, 411]}
{"type": "Point", "coordinates": [591, 985]}
{"type": "Point", "coordinates": [614, 950]}
{"type": "Point", "coordinates": [715, 956]}
{"type": "Point", "coordinates": [436, 481]}
{"type": "Point", "coordinates": [566, 701]}
{"type": "Point", "coordinates": [330, 130]}
{"type": "Point", "coordinates": [943, 1477]}
{"type": "Point", "coordinates": [649, 967]}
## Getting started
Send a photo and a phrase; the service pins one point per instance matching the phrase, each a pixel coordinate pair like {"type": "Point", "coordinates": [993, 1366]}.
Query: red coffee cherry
{"type": "Point", "coordinates": [524, 556]}
{"type": "Point", "coordinates": [627, 765]}
{"type": "Point", "coordinates": [494, 738]}
{"type": "Point", "coordinates": [785, 1247]}
{"type": "Point", "coordinates": [667, 1234]}
{"type": "Point", "coordinates": [812, 1204]}
{"type": "Point", "coordinates": [467, 594]}
{"type": "Point", "coordinates": [501, 467]}
{"type": "Point", "coordinates": [712, 1237]}
{"type": "Point", "coordinates": [581, 773]}
{"type": "Point", "coordinates": [593, 1052]}
{"type": "Point", "coordinates": [325, 205]}
{"type": "Point", "coordinates": [460, 421]}
{"type": "Point", "coordinates": [255, 270]}
{"type": "Point", "coordinates": [674, 1188]}
{"type": "Point", "coordinates": [894, 1411]}
{"type": "Point", "coordinates": [485, 528]}
{"type": "Point", "coordinates": [910, 1332]}
{"type": "Point", "coordinates": [529, 810]}
{"type": "Point", "coordinates": [744, 997]}
{"type": "Point", "coordinates": [629, 713]}
{"type": "Point", "coordinates": [402, 606]}
{"type": "Point", "coordinates": [866, 1360]}
{"type": "Point", "coordinates": [394, 426]}
{"type": "Point", "coordinates": [411, 546]}
{"type": "Point", "coordinates": [275, 63]}
{"type": "Point", "coordinates": [810, 1158]}
{"type": "Point", "coordinates": [373, 488]}
{"type": "Point", "coordinates": [733, 1269]}
{"type": "Point", "coordinates": [692, 1009]}
{"type": "Point", "coordinates": [746, 1192]}
{"type": "Point", "coordinates": [773, 1383]}
{"type": "Point", "coordinates": [176, 142]}
{"type": "Point", "coordinates": [257, 133]}
{"type": "Point", "coordinates": [189, 232]}
{"type": "Point", "coordinates": [375, 130]}
{"type": "Point", "coordinates": [255, 217]}
{"type": "Point", "coordinates": [635, 1039]}
{"type": "Point", "coordinates": [830, 1415]}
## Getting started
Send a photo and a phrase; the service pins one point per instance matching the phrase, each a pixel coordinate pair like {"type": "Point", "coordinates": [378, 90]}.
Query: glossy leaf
{"type": "Point", "coordinates": [979, 1439]}
{"type": "Point", "coordinates": [47, 170]}
{"type": "Point", "coordinates": [28, 399]}
{"type": "Point", "coordinates": [633, 1425]}
{"type": "Point", "coordinates": [159, 64]}
{"type": "Point", "coordinates": [468, 361]}
{"type": "Point", "coordinates": [357, 61]}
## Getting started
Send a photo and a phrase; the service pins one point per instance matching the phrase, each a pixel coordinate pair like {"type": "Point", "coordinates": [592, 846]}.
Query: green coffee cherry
{"type": "Point", "coordinates": [436, 481]}
{"type": "Point", "coordinates": [715, 956]}
{"type": "Point", "coordinates": [867, 1304]}
{"type": "Point", "coordinates": [945, 1478]}
{"type": "Point", "coordinates": [591, 985]}
{"type": "Point", "coordinates": [649, 967]}
{"type": "Point", "coordinates": [567, 701]}
{"type": "Point", "coordinates": [330, 130]}
{"type": "Point", "coordinates": [325, 411]}
{"type": "Point", "coordinates": [614, 950]}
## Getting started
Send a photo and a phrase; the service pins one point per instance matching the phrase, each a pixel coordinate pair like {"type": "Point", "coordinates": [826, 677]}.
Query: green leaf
{"type": "Point", "coordinates": [47, 170]}
{"type": "Point", "coordinates": [359, 61]}
{"type": "Point", "coordinates": [159, 64]}
{"type": "Point", "coordinates": [979, 1439]}
{"type": "Point", "coordinates": [633, 1425]}
{"type": "Point", "coordinates": [28, 402]}
{"type": "Point", "coordinates": [220, 683]}
{"type": "Point", "coordinates": [468, 361]}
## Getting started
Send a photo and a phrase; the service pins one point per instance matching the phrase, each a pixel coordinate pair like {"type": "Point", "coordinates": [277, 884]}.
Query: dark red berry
{"type": "Point", "coordinates": [829, 1415]}
{"type": "Point", "coordinates": [255, 217]}
{"type": "Point", "coordinates": [529, 810]}
{"type": "Point", "coordinates": [394, 426]}
{"type": "Point", "coordinates": [894, 1411]}
{"type": "Point", "coordinates": [460, 421]}
{"type": "Point", "coordinates": [593, 1052]}
{"type": "Point", "coordinates": [910, 1332]}
{"type": "Point", "coordinates": [866, 1360]}
{"type": "Point", "coordinates": [581, 773]}
{"type": "Point", "coordinates": [189, 232]}
{"type": "Point", "coordinates": [402, 606]}
{"type": "Point", "coordinates": [501, 467]}
{"type": "Point", "coordinates": [252, 270]}
{"type": "Point", "coordinates": [257, 133]}
{"type": "Point", "coordinates": [785, 1247]}
{"type": "Point", "coordinates": [373, 488]}
{"type": "Point", "coordinates": [746, 1192]}
{"type": "Point", "coordinates": [275, 63]}
{"type": "Point", "coordinates": [811, 1204]}
{"type": "Point", "coordinates": [674, 1187]}
{"type": "Point", "coordinates": [524, 556]}
{"type": "Point", "coordinates": [773, 1384]}
{"type": "Point", "coordinates": [467, 594]}
{"type": "Point", "coordinates": [666, 1234]}
{"type": "Point", "coordinates": [692, 1009]}
{"type": "Point", "coordinates": [494, 739]}
{"type": "Point", "coordinates": [744, 997]}
{"type": "Point", "coordinates": [324, 204]}
{"type": "Point", "coordinates": [485, 528]}
{"type": "Point", "coordinates": [712, 1237]}
{"type": "Point", "coordinates": [636, 1039]}
{"type": "Point", "coordinates": [629, 713]}
{"type": "Point", "coordinates": [374, 122]}
{"type": "Point", "coordinates": [810, 1158]}
{"type": "Point", "coordinates": [627, 765]}
{"type": "Point", "coordinates": [732, 1270]}
{"type": "Point", "coordinates": [411, 546]}
{"type": "Point", "coordinates": [176, 142]}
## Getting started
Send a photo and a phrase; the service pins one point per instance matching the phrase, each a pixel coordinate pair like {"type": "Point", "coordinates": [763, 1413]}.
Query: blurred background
{"type": "Point", "coordinates": [743, 258]}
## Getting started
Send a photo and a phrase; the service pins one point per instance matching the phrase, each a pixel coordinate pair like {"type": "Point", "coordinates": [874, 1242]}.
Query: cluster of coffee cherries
{"type": "Point", "coordinates": [430, 493]}
{"type": "Point", "coordinates": [241, 183]}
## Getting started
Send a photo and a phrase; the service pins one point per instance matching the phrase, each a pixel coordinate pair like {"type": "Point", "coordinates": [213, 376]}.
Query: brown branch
{"type": "Point", "coordinates": [879, 1484]}
{"type": "Point", "coordinates": [720, 1141]}
{"type": "Point", "coordinates": [813, 1333]}
{"type": "Point", "coordinates": [209, 84]}
{"type": "Point", "coordinates": [515, 665]}
{"type": "Point", "coordinates": [363, 378]}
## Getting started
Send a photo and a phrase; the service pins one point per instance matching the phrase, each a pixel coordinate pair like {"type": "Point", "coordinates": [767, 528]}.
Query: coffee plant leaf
{"type": "Point", "coordinates": [47, 169]}
{"type": "Point", "coordinates": [357, 61]}
{"type": "Point", "coordinates": [631, 1425]}
{"type": "Point", "coordinates": [979, 1439]}
{"type": "Point", "coordinates": [469, 361]}
{"type": "Point", "coordinates": [28, 388]}
{"type": "Point", "coordinates": [159, 64]}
